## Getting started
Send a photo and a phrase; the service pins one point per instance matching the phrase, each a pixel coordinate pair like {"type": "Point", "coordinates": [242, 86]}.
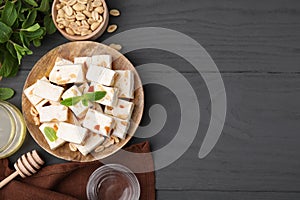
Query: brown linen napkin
{"type": "Point", "coordinates": [68, 181]}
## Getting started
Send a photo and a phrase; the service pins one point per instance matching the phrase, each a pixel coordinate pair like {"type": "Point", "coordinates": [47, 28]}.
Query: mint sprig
{"type": "Point", "coordinates": [50, 133]}
{"type": "Point", "coordinates": [22, 23]}
{"type": "Point", "coordinates": [90, 96]}
{"type": "Point", "coordinates": [6, 93]}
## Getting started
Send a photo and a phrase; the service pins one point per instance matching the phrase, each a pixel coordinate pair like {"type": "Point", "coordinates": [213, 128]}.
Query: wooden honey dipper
{"type": "Point", "coordinates": [26, 165]}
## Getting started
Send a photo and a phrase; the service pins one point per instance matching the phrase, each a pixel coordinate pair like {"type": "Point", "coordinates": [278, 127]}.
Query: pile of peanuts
{"type": "Point", "coordinates": [79, 17]}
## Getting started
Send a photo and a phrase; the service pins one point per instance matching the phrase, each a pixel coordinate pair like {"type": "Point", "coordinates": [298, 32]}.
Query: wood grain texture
{"type": "Point", "coordinates": [240, 35]}
{"type": "Point", "coordinates": [255, 45]}
{"type": "Point", "coordinates": [230, 195]}
{"type": "Point", "coordinates": [69, 51]}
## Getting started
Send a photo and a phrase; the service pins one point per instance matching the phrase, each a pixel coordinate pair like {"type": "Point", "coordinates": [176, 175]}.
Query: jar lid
{"type": "Point", "coordinates": [12, 129]}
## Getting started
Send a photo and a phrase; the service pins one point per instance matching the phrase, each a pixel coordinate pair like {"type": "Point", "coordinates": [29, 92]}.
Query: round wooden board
{"type": "Point", "coordinates": [69, 51]}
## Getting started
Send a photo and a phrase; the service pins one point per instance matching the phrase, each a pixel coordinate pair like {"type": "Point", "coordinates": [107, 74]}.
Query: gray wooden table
{"type": "Point", "coordinates": [255, 46]}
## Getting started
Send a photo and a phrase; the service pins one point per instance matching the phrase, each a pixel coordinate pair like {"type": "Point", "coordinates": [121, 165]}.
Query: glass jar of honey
{"type": "Point", "coordinates": [12, 129]}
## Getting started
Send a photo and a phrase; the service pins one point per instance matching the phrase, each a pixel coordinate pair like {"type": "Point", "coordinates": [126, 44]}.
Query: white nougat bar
{"type": "Point", "coordinates": [71, 133]}
{"type": "Point", "coordinates": [98, 122]}
{"type": "Point", "coordinates": [102, 61]}
{"type": "Point", "coordinates": [123, 109]}
{"type": "Point", "coordinates": [111, 97]}
{"type": "Point", "coordinates": [58, 142]}
{"type": "Point", "coordinates": [90, 143]}
{"type": "Point", "coordinates": [53, 113]}
{"type": "Point", "coordinates": [62, 61]}
{"type": "Point", "coordinates": [83, 60]}
{"type": "Point", "coordinates": [121, 128]}
{"type": "Point", "coordinates": [78, 109]}
{"type": "Point", "coordinates": [125, 83]}
{"type": "Point", "coordinates": [70, 73]}
{"type": "Point", "coordinates": [101, 75]}
{"type": "Point", "coordinates": [47, 90]}
{"type": "Point", "coordinates": [34, 99]}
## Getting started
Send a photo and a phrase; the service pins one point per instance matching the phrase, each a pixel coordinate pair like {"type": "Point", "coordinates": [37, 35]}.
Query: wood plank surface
{"type": "Point", "coordinates": [241, 35]}
{"type": "Point", "coordinates": [255, 45]}
{"type": "Point", "coordinates": [212, 195]}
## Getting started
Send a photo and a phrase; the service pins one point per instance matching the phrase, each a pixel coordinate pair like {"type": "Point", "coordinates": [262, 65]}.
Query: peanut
{"type": "Point", "coordinates": [33, 111]}
{"type": "Point", "coordinates": [100, 10]}
{"type": "Point", "coordinates": [97, 3]}
{"type": "Point", "coordinates": [71, 2]}
{"type": "Point", "coordinates": [112, 28]}
{"type": "Point", "coordinates": [108, 142]}
{"type": "Point", "coordinates": [114, 12]}
{"type": "Point", "coordinates": [69, 31]}
{"type": "Point", "coordinates": [116, 139]}
{"type": "Point", "coordinates": [36, 120]}
{"type": "Point", "coordinates": [79, 7]}
{"type": "Point", "coordinates": [80, 17]}
{"type": "Point", "coordinates": [99, 149]}
{"type": "Point", "coordinates": [82, 1]}
{"type": "Point", "coordinates": [72, 147]}
{"type": "Point", "coordinates": [68, 10]}
{"type": "Point", "coordinates": [95, 25]}
{"type": "Point", "coordinates": [87, 13]}
{"type": "Point", "coordinates": [116, 46]}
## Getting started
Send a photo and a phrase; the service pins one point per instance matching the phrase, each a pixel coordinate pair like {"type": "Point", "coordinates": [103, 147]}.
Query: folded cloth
{"type": "Point", "coordinates": [68, 181]}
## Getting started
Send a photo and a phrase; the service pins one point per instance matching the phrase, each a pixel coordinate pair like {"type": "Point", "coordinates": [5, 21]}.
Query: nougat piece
{"type": "Point", "coordinates": [111, 97]}
{"type": "Point", "coordinates": [98, 122]}
{"type": "Point", "coordinates": [101, 75]}
{"type": "Point", "coordinates": [90, 143]}
{"type": "Point", "coordinates": [47, 90]}
{"type": "Point", "coordinates": [53, 113]}
{"type": "Point", "coordinates": [121, 128]}
{"type": "Point", "coordinates": [123, 109]}
{"type": "Point", "coordinates": [70, 73]}
{"type": "Point", "coordinates": [125, 83]}
{"type": "Point", "coordinates": [78, 109]}
{"type": "Point", "coordinates": [34, 99]}
{"type": "Point", "coordinates": [102, 61]}
{"type": "Point", "coordinates": [52, 144]}
{"type": "Point", "coordinates": [72, 133]}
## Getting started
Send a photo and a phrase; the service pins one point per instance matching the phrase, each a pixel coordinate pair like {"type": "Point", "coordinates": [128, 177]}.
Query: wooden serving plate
{"type": "Point", "coordinates": [69, 51]}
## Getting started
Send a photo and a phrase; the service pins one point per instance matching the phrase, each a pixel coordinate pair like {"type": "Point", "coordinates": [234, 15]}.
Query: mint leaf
{"type": "Point", "coordinates": [6, 93]}
{"type": "Point", "coordinates": [85, 102]}
{"type": "Point", "coordinates": [94, 96]}
{"type": "Point", "coordinates": [36, 42]}
{"type": "Point", "coordinates": [21, 51]}
{"type": "Point", "coordinates": [5, 32]}
{"type": "Point", "coordinates": [30, 19]}
{"type": "Point", "coordinates": [48, 23]}
{"type": "Point", "coordinates": [71, 101]}
{"type": "Point", "coordinates": [8, 64]}
{"type": "Point", "coordinates": [9, 13]}
{"type": "Point", "coordinates": [44, 7]}
{"type": "Point", "coordinates": [33, 28]}
{"type": "Point", "coordinates": [50, 133]}
{"type": "Point", "coordinates": [11, 49]}
{"type": "Point", "coordinates": [31, 2]}
{"type": "Point", "coordinates": [38, 34]}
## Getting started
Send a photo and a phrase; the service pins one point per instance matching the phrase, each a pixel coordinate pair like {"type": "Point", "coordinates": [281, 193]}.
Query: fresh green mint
{"type": "Point", "coordinates": [50, 133]}
{"type": "Point", "coordinates": [22, 23]}
{"type": "Point", "coordinates": [6, 93]}
{"type": "Point", "coordinates": [90, 96]}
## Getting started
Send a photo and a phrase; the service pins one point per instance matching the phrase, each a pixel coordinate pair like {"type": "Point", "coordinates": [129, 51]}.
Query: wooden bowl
{"type": "Point", "coordinates": [94, 35]}
{"type": "Point", "coordinates": [69, 51]}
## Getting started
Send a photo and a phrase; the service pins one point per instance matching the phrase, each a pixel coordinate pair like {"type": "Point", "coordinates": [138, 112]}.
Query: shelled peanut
{"type": "Point", "coordinates": [79, 17]}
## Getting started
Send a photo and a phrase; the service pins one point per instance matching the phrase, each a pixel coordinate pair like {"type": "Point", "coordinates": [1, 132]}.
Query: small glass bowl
{"type": "Point", "coordinates": [12, 129]}
{"type": "Point", "coordinates": [113, 181]}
